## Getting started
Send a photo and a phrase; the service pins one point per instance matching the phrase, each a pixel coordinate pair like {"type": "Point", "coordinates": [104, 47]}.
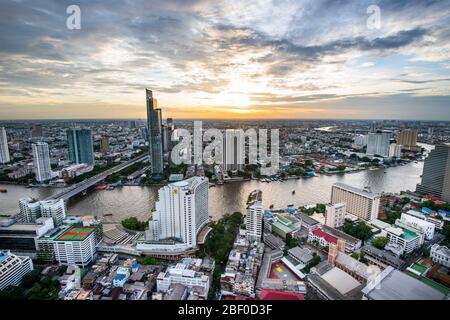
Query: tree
{"type": "Point", "coordinates": [359, 230]}
{"type": "Point", "coordinates": [149, 261]}
{"type": "Point", "coordinates": [446, 231]}
{"type": "Point", "coordinates": [379, 242]}
{"type": "Point", "coordinates": [133, 223]}
{"type": "Point", "coordinates": [31, 278]}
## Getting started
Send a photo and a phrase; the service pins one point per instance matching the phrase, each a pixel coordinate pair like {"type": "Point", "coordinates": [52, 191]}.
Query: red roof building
{"type": "Point", "coordinates": [323, 235]}
{"type": "Point", "coordinates": [267, 294]}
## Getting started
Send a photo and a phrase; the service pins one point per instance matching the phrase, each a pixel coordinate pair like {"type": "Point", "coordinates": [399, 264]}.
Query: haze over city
{"type": "Point", "coordinates": [221, 59]}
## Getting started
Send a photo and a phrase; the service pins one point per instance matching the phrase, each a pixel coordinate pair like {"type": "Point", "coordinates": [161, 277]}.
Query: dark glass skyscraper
{"type": "Point", "coordinates": [155, 140]}
{"type": "Point", "coordinates": [81, 149]}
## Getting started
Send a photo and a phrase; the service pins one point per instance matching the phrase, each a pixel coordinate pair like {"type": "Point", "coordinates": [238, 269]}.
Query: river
{"type": "Point", "coordinates": [138, 201]}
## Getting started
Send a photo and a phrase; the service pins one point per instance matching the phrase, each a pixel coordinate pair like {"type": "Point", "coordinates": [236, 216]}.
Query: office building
{"type": "Point", "coordinates": [408, 138]}
{"type": "Point", "coordinates": [13, 268]}
{"type": "Point", "coordinates": [104, 144]}
{"type": "Point", "coordinates": [81, 147]}
{"type": "Point", "coordinates": [181, 211]}
{"type": "Point", "coordinates": [234, 150]}
{"type": "Point", "coordinates": [361, 203]}
{"type": "Point", "coordinates": [378, 144]}
{"type": "Point", "coordinates": [155, 138]}
{"type": "Point", "coordinates": [395, 150]}
{"type": "Point", "coordinates": [31, 210]}
{"type": "Point", "coordinates": [4, 150]}
{"type": "Point", "coordinates": [440, 254]}
{"type": "Point", "coordinates": [392, 284]}
{"type": "Point", "coordinates": [254, 217]}
{"type": "Point", "coordinates": [335, 215]}
{"type": "Point", "coordinates": [41, 161]}
{"type": "Point", "coordinates": [436, 174]}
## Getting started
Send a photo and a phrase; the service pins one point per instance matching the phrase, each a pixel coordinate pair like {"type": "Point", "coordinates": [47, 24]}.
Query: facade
{"type": "Point", "coordinates": [76, 170]}
{"type": "Point", "coordinates": [181, 212]}
{"type": "Point", "coordinates": [234, 150]}
{"type": "Point", "coordinates": [395, 150]}
{"type": "Point", "coordinates": [31, 210]}
{"type": "Point", "coordinates": [361, 203]}
{"type": "Point", "coordinates": [81, 147]}
{"type": "Point", "coordinates": [335, 215]}
{"type": "Point", "coordinates": [76, 245]}
{"type": "Point", "coordinates": [408, 138]}
{"type": "Point", "coordinates": [325, 236]}
{"type": "Point", "coordinates": [401, 240]}
{"type": "Point", "coordinates": [13, 268]}
{"type": "Point", "coordinates": [360, 141]}
{"type": "Point", "coordinates": [378, 144]}
{"type": "Point", "coordinates": [41, 161]}
{"type": "Point", "coordinates": [426, 227]}
{"type": "Point", "coordinates": [4, 150]}
{"type": "Point", "coordinates": [440, 254]}
{"type": "Point", "coordinates": [436, 174]}
{"type": "Point", "coordinates": [254, 217]}
{"type": "Point", "coordinates": [155, 139]}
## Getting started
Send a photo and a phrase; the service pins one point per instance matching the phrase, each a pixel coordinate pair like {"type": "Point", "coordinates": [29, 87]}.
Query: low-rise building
{"type": "Point", "coordinates": [401, 240]}
{"type": "Point", "coordinates": [440, 254]}
{"type": "Point", "coordinates": [325, 235]}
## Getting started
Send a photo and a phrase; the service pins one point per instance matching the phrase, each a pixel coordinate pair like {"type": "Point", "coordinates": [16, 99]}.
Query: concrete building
{"type": "Point", "coordinates": [360, 141]}
{"type": "Point", "coordinates": [395, 150]}
{"type": "Point", "coordinates": [41, 161]}
{"type": "Point", "coordinates": [378, 144]}
{"type": "Point", "coordinates": [382, 258]}
{"type": "Point", "coordinates": [4, 150]}
{"type": "Point", "coordinates": [335, 215]}
{"type": "Point", "coordinates": [408, 138]}
{"type": "Point", "coordinates": [13, 268]}
{"type": "Point", "coordinates": [31, 210]}
{"type": "Point", "coordinates": [426, 227]}
{"type": "Point", "coordinates": [360, 203]}
{"type": "Point", "coordinates": [401, 240]}
{"type": "Point", "coordinates": [181, 212]}
{"type": "Point", "coordinates": [155, 139]}
{"type": "Point", "coordinates": [76, 170]}
{"type": "Point", "coordinates": [254, 216]}
{"type": "Point", "coordinates": [392, 284]}
{"type": "Point", "coordinates": [325, 236]}
{"type": "Point", "coordinates": [104, 145]}
{"type": "Point", "coordinates": [436, 174]}
{"type": "Point", "coordinates": [440, 254]}
{"type": "Point", "coordinates": [81, 147]}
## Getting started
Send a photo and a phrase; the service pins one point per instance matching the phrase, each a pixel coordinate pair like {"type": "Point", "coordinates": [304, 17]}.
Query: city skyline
{"type": "Point", "coordinates": [292, 59]}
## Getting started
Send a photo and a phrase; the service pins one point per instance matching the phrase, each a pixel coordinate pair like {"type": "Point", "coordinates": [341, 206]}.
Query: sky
{"type": "Point", "coordinates": [256, 59]}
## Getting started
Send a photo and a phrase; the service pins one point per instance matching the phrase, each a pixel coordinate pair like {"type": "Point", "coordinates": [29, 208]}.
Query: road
{"type": "Point", "coordinates": [75, 189]}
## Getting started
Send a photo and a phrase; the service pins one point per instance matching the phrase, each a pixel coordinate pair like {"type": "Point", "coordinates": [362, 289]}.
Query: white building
{"type": "Point", "coordinates": [378, 144]}
{"type": "Point", "coordinates": [76, 169]}
{"type": "Point", "coordinates": [181, 211]}
{"type": "Point", "coordinates": [440, 254]}
{"type": "Point", "coordinates": [254, 217]}
{"type": "Point", "coordinates": [76, 245]}
{"type": "Point", "coordinates": [31, 209]}
{"type": "Point", "coordinates": [438, 223]}
{"type": "Point", "coordinates": [4, 151]}
{"type": "Point", "coordinates": [13, 268]}
{"type": "Point", "coordinates": [395, 150]}
{"type": "Point", "coordinates": [335, 215]}
{"type": "Point", "coordinates": [361, 203]}
{"type": "Point", "coordinates": [426, 227]}
{"type": "Point", "coordinates": [41, 160]}
{"type": "Point", "coordinates": [180, 274]}
{"type": "Point", "coordinates": [401, 240]}
{"type": "Point", "coordinates": [360, 141]}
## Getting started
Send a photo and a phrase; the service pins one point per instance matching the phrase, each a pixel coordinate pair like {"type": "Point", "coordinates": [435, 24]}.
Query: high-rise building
{"type": "Point", "coordinates": [104, 144]}
{"type": "Point", "coordinates": [31, 210]}
{"type": "Point", "coordinates": [361, 203]}
{"type": "Point", "coordinates": [234, 149]}
{"type": "Point", "coordinates": [436, 173]}
{"type": "Point", "coordinates": [408, 138]}
{"type": "Point", "coordinates": [4, 150]}
{"type": "Point", "coordinates": [254, 217]}
{"type": "Point", "coordinates": [378, 143]}
{"type": "Point", "coordinates": [13, 268]}
{"type": "Point", "coordinates": [335, 215]}
{"type": "Point", "coordinates": [155, 138]}
{"type": "Point", "coordinates": [360, 141]}
{"type": "Point", "coordinates": [81, 147]}
{"type": "Point", "coordinates": [395, 150]}
{"type": "Point", "coordinates": [41, 161]}
{"type": "Point", "coordinates": [181, 211]}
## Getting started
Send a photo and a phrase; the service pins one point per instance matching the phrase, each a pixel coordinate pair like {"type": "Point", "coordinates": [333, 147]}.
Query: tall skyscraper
{"type": "Point", "coordinates": [234, 149]}
{"type": "Point", "coordinates": [4, 150]}
{"type": "Point", "coordinates": [155, 139]}
{"type": "Point", "coordinates": [436, 173]}
{"type": "Point", "coordinates": [104, 145]}
{"type": "Point", "coordinates": [254, 217]}
{"type": "Point", "coordinates": [81, 148]}
{"type": "Point", "coordinates": [361, 203]}
{"type": "Point", "coordinates": [408, 138]}
{"type": "Point", "coordinates": [181, 211]}
{"type": "Point", "coordinates": [378, 143]}
{"type": "Point", "coordinates": [41, 161]}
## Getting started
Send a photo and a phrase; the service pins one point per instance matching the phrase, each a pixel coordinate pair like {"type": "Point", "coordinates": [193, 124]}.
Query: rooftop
{"type": "Point", "coordinates": [76, 234]}
{"type": "Point", "coordinates": [322, 234]}
{"type": "Point", "coordinates": [340, 280]}
{"type": "Point", "coordinates": [356, 190]}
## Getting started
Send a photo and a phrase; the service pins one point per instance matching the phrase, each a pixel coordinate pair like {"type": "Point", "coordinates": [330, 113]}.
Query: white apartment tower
{"type": "Point", "coordinates": [181, 211]}
{"type": "Point", "coordinates": [378, 144]}
{"type": "Point", "coordinates": [31, 209]}
{"type": "Point", "coordinates": [254, 217]}
{"type": "Point", "coordinates": [13, 268]}
{"type": "Point", "coordinates": [4, 151]}
{"type": "Point", "coordinates": [361, 203]}
{"type": "Point", "coordinates": [335, 215]}
{"type": "Point", "coordinates": [41, 159]}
